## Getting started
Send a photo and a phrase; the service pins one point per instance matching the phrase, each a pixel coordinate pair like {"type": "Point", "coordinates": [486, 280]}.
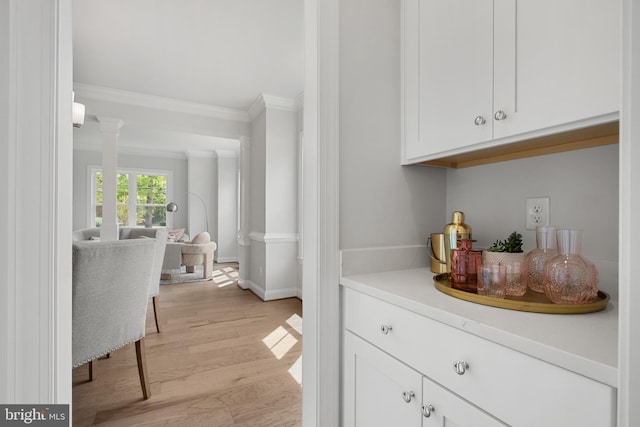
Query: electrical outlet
{"type": "Point", "coordinates": [537, 212]}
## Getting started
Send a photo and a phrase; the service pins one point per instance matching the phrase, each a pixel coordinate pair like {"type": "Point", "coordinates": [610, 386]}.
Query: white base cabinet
{"type": "Point", "coordinates": [381, 391]}
{"type": "Point", "coordinates": [392, 354]}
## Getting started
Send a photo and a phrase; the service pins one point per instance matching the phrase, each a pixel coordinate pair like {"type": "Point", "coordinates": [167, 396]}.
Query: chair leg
{"type": "Point", "coordinates": [142, 368]}
{"type": "Point", "coordinates": [91, 370]}
{"type": "Point", "coordinates": [207, 267]}
{"type": "Point", "coordinates": [156, 306]}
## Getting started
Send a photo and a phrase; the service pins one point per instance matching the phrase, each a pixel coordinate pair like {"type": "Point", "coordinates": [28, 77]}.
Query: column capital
{"type": "Point", "coordinates": [110, 124]}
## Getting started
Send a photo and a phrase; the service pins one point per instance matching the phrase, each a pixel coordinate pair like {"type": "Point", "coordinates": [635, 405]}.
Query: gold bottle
{"type": "Point", "coordinates": [452, 233]}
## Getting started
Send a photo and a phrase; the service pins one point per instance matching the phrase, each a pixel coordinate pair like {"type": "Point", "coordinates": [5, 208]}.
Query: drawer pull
{"type": "Point", "coordinates": [460, 367]}
{"type": "Point", "coordinates": [427, 410]}
{"type": "Point", "coordinates": [479, 121]}
{"type": "Point", "coordinates": [408, 395]}
{"type": "Point", "coordinates": [385, 329]}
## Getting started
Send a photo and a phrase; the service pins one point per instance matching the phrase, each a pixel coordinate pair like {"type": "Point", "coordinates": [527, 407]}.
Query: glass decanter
{"type": "Point", "coordinates": [464, 263]}
{"type": "Point", "coordinates": [570, 278]}
{"type": "Point", "coordinates": [546, 247]}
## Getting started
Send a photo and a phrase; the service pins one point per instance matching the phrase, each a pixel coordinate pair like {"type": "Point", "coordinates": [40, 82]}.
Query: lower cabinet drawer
{"type": "Point", "coordinates": [512, 386]}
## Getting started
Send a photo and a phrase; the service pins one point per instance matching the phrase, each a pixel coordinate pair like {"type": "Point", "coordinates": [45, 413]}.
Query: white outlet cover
{"type": "Point", "coordinates": [537, 212]}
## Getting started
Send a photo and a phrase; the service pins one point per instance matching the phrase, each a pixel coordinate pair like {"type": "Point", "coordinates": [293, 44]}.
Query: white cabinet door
{"type": "Point", "coordinates": [567, 63]}
{"type": "Point", "coordinates": [451, 82]}
{"type": "Point", "coordinates": [441, 408]}
{"type": "Point", "coordinates": [379, 391]}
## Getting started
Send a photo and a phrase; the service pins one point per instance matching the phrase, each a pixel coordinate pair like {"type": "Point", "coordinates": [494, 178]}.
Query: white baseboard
{"type": "Point", "coordinates": [226, 259]}
{"type": "Point", "coordinates": [269, 295]}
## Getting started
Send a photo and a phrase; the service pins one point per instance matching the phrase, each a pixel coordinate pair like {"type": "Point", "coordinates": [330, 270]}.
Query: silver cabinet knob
{"type": "Point", "coordinates": [460, 367]}
{"type": "Point", "coordinates": [479, 121]}
{"type": "Point", "coordinates": [408, 395]}
{"type": "Point", "coordinates": [500, 115]}
{"type": "Point", "coordinates": [427, 410]}
{"type": "Point", "coordinates": [385, 329]}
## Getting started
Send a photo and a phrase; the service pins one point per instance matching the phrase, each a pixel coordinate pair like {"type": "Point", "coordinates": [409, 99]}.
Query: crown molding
{"type": "Point", "coordinates": [131, 151]}
{"type": "Point", "coordinates": [100, 93]}
{"type": "Point", "coordinates": [264, 101]}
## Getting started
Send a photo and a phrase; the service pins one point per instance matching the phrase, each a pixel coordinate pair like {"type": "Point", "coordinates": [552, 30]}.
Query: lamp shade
{"type": "Point", "coordinates": [172, 207]}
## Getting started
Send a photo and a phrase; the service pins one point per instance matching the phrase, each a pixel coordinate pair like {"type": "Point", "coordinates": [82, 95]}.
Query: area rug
{"type": "Point", "coordinates": [222, 275]}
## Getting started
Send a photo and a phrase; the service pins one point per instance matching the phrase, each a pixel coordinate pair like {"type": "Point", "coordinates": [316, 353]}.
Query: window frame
{"type": "Point", "coordinates": [132, 204]}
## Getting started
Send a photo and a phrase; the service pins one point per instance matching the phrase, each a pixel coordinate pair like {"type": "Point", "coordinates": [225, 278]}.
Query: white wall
{"type": "Point", "coordinates": [273, 205]}
{"type": "Point", "coordinates": [257, 175]}
{"type": "Point", "coordinates": [583, 190]}
{"type": "Point", "coordinates": [202, 183]}
{"type": "Point", "coordinates": [281, 175]}
{"type": "Point", "coordinates": [382, 204]}
{"type": "Point", "coordinates": [227, 228]}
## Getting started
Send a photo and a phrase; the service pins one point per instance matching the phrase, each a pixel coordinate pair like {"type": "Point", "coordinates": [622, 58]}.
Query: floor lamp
{"type": "Point", "coordinates": [173, 207]}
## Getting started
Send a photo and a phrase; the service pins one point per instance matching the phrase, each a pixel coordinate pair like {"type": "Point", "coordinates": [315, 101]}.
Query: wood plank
{"type": "Point", "coordinates": [222, 359]}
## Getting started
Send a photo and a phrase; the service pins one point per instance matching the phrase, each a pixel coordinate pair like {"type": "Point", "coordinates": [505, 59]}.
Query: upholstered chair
{"type": "Point", "coordinates": [199, 251]}
{"type": "Point", "coordinates": [160, 234]}
{"type": "Point", "coordinates": [110, 293]}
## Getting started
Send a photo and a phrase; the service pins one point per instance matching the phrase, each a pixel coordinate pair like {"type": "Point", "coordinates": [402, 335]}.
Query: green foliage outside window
{"type": "Point", "coordinates": [149, 200]}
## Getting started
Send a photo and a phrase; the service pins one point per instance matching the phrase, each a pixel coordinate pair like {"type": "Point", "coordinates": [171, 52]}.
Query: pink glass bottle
{"type": "Point", "coordinates": [570, 278]}
{"type": "Point", "coordinates": [546, 247]}
{"type": "Point", "coordinates": [464, 264]}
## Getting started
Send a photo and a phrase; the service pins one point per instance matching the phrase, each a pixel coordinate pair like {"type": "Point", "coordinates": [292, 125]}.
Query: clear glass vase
{"type": "Point", "coordinates": [546, 247]}
{"type": "Point", "coordinates": [570, 278]}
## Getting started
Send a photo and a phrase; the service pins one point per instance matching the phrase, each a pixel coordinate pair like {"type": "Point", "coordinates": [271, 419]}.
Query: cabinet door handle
{"type": "Point", "coordinates": [408, 395]}
{"type": "Point", "coordinates": [427, 410]}
{"type": "Point", "coordinates": [500, 115]}
{"type": "Point", "coordinates": [460, 367]}
{"type": "Point", "coordinates": [385, 329]}
{"type": "Point", "coordinates": [479, 121]}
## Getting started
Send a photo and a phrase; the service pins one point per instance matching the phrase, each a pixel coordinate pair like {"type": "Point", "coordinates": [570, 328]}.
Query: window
{"type": "Point", "coordinates": [141, 198]}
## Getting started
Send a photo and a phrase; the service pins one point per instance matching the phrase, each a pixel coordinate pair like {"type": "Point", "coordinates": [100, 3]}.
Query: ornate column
{"type": "Point", "coordinates": [110, 129]}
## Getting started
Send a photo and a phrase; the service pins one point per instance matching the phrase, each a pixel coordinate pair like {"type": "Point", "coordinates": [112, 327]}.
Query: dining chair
{"type": "Point", "coordinates": [110, 291]}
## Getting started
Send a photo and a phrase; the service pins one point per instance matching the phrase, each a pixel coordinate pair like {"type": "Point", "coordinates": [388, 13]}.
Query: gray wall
{"type": "Point", "coordinates": [381, 202]}
{"type": "Point", "coordinates": [82, 159]}
{"type": "Point", "coordinates": [583, 190]}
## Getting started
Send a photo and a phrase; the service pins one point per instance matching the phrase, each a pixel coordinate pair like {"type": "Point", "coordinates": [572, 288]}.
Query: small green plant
{"type": "Point", "coordinates": [513, 244]}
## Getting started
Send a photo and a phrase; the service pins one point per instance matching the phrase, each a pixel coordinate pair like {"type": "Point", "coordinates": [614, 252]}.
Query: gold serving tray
{"type": "Point", "coordinates": [531, 301]}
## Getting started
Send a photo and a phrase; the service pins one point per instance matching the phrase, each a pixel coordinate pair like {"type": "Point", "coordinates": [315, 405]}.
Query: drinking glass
{"type": "Point", "coordinates": [516, 285]}
{"type": "Point", "coordinates": [492, 280]}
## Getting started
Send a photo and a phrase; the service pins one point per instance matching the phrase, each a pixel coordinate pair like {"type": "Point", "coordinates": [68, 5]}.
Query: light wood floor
{"type": "Point", "coordinates": [223, 358]}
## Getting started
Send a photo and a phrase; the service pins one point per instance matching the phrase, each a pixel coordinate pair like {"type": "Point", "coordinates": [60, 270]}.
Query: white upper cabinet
{"type": "Point", "coordinates": [481, 73]}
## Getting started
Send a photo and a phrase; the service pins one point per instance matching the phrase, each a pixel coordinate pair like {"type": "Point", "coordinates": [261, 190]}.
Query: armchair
{"type": "Point", "coordinates": [110, 292]}
{"type": "Point", "coordinates": [199, 251]}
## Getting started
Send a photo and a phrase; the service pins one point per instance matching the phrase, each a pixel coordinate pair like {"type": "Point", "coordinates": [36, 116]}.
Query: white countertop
{"type": "Point", "coordinates": [583, 343]}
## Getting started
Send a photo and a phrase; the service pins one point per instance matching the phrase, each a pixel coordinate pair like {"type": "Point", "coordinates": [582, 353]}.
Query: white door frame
{"type": "Point", "coordinates": [50, 325]}
{"type": "Point", "coordinates": [321, 267]}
